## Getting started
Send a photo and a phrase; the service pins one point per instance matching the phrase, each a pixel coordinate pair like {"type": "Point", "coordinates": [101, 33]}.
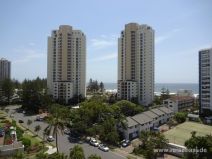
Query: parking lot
{"type": "Point", "coordinates": [64, 144]}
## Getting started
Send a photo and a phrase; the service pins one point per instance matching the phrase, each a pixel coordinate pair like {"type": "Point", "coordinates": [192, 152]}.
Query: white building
{"type": "Point", "coordinates": [205, 81]}
{"type": "Point", "coordinates": [146, 121]}
{"type": "Point", "coordinates": [5, 69]}
{"type": "Point", "coordinates": [136, 63]}
{"type": "Point", "coordinates": [178, 103]}
{"type": "Point", "coordinates": [66, 63]}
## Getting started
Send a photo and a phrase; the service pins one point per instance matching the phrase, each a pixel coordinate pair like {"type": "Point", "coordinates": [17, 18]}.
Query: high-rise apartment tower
{"type": "Point", "coordinates": [66, 63]}
{"type": "Point", "coordinates": [5, 69]}
{"type": "Point", "coordinates": [205, 81]}
{"type": "Point", "coordinates": [136, 63]}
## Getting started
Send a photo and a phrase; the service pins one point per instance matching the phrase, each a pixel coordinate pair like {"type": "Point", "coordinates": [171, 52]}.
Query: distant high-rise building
{"type": "Point", "coordinates": [5, 69]}
{"type": "Point", "coordinates": [205, 81]}
{"type": "Point", "coordinates": [136, 63]}
{"type": "Point", "coordinates": [66, 63]}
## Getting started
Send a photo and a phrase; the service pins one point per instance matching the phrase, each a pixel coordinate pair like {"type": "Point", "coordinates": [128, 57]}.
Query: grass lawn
{"type": "Point", "coordinates": [34, 139]}
{"type": "Point", "coordinates": [182, 132]}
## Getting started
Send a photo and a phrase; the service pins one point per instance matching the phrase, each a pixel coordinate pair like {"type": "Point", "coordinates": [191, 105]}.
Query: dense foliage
{"type": "Point", "coordinates": [150, 142]}
{"type": "Point", "coordinates": [200, 143]}
{"type": "Point", "coordinates": [180, 117]}
{"type": "Point", "coordinates": [94, 86]}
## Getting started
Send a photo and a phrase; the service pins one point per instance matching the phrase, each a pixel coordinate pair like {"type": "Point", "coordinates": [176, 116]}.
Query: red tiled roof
{"type": "Point", "coordinates": [181, 98]}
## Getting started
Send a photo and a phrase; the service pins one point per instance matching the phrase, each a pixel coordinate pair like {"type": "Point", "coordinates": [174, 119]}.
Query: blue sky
{"type": "Point", "coordinates": [182, 27]}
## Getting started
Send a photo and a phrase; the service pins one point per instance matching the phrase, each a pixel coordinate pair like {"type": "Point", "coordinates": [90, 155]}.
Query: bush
{"type": "Point", "coordinates": [19, 133]}
{"type": "Point", "coordinates": [26, 142]}
{"type": "Point", "coordinates": [180, 117]}
{"type": "Point", "coordinates": [14, 123]}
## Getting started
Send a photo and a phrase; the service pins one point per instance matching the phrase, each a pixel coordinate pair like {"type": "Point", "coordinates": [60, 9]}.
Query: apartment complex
{"type": "Point", "coordinates": [179, 103]}
{"type": "Point", "coordinates": [205, 80]}
{"type": "Point", "coordinates": [5, 69]}
{"type": "Point", "coordinates": [146, 121]}
{"type": "Point", "coordinates": [66, 63]}
{"type": "Point", "coordinates": [136, 63]}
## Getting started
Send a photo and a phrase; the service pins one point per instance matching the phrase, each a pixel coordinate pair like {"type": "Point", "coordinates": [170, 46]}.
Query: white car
{"type": "Point", "coordinates": [103, 147]}
{"type": "Point", "coordinates": [50, 138]}
{"type": "Point", "coordinates": [93, 142]}
{"type": "Point", "coordinates": [66, 131]}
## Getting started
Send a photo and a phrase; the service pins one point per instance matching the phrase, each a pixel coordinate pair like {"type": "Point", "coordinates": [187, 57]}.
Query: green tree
{"type": "Point", "coordinates": [7, 89]}
{"type": "Point", "coordinates": [29, 122]}
{"type": "Point", "coordinates": [33, 96]}
{"type": "Point", "coordinates": [101, 86]}
{"type": "Point", "coordinates": [26, 142]}
{"type": "Point", "coordinates": [41, 155]}
{"type": "Point", "coordinates": [129, 108]}
{"type": "Point", "coordinates": [19, 155]}
{"type": "Point", "coordinates": [203, 143]}
{"type": "Point", "coordinates": [94, 156]}
{"type": "Point", "coordinates": [37, 128]}
{"type": "Point", "coordinates": [77, 153]}
{"type": "Point", "coordinates": [57, 121]}
{"type": "Point", "coordinates": [180, 117]}
{"type": "Point", "coordinates": [157, 100]}
{"type": "Point", "coordinates": [151, 141]}
{"type": "Point", "coordinates": [164, 94]}
{"type": "Point", "coordinates": [109, 132]}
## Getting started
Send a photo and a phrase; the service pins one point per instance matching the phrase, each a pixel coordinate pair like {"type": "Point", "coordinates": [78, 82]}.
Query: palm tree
{"type": "Point", "coordinates": [29, 122]}
{"type": "Point", "coordinates": [37, 128]}
{"type": "Point", "coordinates": [56, 121]}
{"type": "Point", "coordinates": [77, 153]}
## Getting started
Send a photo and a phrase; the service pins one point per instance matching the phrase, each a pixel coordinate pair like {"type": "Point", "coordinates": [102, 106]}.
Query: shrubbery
{"type": "Point", "coordinates": [180, 117]}
{"type": "Point", "coordinates": [26, 142]}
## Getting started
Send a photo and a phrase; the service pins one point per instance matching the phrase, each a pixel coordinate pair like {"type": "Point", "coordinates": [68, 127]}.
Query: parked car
{"type": "Point", "coordinates": [94, 142]}
{"type": "Point", "coordinates": [39, 118]}
{"type": "Point", "coordinates": [103, 147]}
{"type": "Point", "coordinates": [50, 138]}
{"type": "Point", "coordinates": [88, 139]}
{"type": "Point", "coordinates": [20, 121]}
{"type": "Point", "coordinates": [2, 133]}
{"type": "Point", "coordinates": [125, 143]}
{"type": "Point", "coordinates": [66, 131]}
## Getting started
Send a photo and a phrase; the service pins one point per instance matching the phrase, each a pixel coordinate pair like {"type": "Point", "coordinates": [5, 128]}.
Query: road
{"type": "Point", "coordinates": [64, 144]}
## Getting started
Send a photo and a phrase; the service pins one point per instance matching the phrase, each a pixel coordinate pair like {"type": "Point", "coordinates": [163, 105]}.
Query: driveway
{"type": "Point", "coordinates": [64, 144]}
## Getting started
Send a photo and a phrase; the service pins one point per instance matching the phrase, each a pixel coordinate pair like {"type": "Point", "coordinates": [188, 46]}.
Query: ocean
{"type": "Point", "coordinates": [172, 87]}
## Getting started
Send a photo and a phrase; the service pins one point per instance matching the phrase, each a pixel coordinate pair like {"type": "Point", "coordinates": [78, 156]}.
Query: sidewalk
{"type": "Point", "coordinates": [126, 154]}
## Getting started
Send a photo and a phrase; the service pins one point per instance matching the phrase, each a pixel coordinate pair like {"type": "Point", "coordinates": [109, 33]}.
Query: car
{"type": "Point", "coordinates": [103, 147]}
{"type": "Point", "coordinates": [50, 138]}
{"type": "Point", "coordinates": [39, 118]}
{"type": "Point", "coordinates": [125, 143]}
{"type": "Point", "coordinates": [66, 131]}
{"type": "Point", "coordinates": [88, 139]}
{"type": "Point", "coordinates": [94, 142]}
{"type": "Point", "coordinates": [2, 133]}
{"type": "Point", "coordinates": [20, 121]}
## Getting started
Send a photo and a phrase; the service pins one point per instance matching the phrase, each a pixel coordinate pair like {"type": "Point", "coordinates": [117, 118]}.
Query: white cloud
{"type": "Point", "coordinates": [166, 36]}
{"type": "Point", "coordinates": [26, 55]}
{"type": "Point", "coordinates": [105, 58]}
{"type": "Point", "coordinates": [103, 41]}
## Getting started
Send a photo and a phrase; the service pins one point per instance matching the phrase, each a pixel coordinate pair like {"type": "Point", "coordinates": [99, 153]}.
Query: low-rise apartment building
{"type": "Point", "coordinates": [178, 103]}
{"type": "Point", "coordinates": [146, 121]}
